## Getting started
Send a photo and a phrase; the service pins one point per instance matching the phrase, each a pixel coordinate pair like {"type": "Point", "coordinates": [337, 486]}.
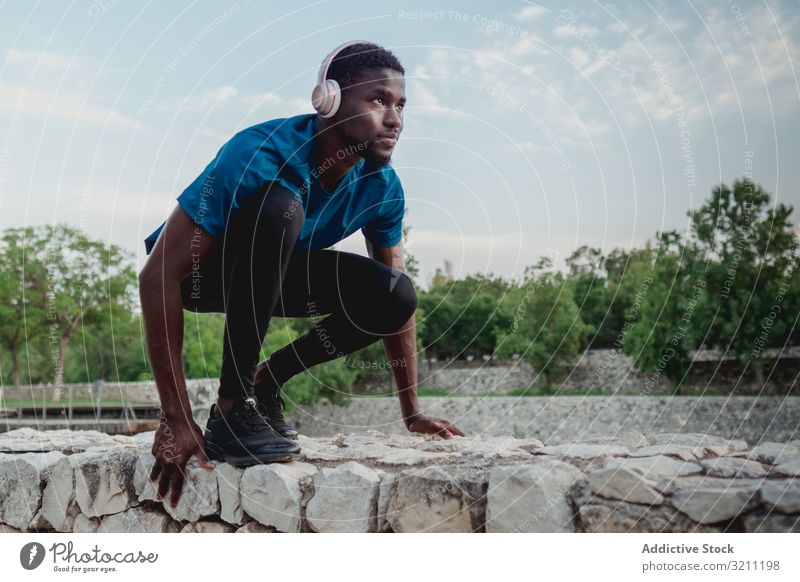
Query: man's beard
{"type": "Point", "coordinates": [374, 158]}
{"type": "Point", "coordinates": [367, 150]}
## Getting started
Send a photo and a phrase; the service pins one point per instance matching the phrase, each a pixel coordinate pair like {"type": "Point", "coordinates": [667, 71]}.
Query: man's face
{"type": "Point", "coordinates": [370, 115]}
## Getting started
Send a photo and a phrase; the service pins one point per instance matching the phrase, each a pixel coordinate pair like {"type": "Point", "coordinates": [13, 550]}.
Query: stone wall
{"type": "Point", "coordinates": [372, 482]}
{"type": "Point", "coordinates": [602, 371]}
{"type": "Point", "coordinates": [201, 391]}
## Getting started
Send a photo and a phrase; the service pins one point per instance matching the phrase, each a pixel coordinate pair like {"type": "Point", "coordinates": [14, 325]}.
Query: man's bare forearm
{"type": "Point", "coordinates": [162, 312]}
{"type": "Point", "coordinates": [401, 349]}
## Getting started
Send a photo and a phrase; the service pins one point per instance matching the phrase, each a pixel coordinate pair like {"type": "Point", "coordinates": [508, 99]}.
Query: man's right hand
{"type": "Point", "coordinates": [174, 444]}
{"type": "Point", "coordinates": [180, 247]}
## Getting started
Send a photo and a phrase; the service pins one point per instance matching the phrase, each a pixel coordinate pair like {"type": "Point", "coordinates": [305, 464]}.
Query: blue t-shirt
{"type": "Point", "coordinates": [367, 198]}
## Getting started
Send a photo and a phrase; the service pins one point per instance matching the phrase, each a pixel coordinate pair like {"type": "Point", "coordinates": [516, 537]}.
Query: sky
{"type": "Point", "coordinates": [530, 129]}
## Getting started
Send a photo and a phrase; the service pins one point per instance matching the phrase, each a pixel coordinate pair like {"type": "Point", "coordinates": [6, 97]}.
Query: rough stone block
{"type": "Point", "coordinates": [104, 481]}
{"type": "Point", "coordinates": [345, 500]}
{"type": "Point", "coordinates": [229, 479]}
{"type": "Point", "coordinates": [273, 494]}
{"type": "Point", "coordinates": [199, 495]}
{"type": "Point", "coordinates": [714, 505]}
{"type": "Point", "coordinates": [625, 485]}
{"type": "Point", "coordinates": [432, 499]}
{"type": "Point", "coordinates": [531, 498]}
{"type": "Point", "coordinates": [22, 478]}
{"type": "Point", "coordinates": [59, 507]}
{"type": "Point", "coordinates": [783, 495]}
{"type": "Point", "coordinates": [658, 467]}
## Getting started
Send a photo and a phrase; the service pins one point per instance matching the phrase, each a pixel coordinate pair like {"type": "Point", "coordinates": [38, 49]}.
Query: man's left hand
{"type": "Point", "coordinates": [426, 424]}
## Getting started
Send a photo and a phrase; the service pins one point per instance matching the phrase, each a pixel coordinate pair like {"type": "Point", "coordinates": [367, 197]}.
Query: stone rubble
{"type": "Point", "coordinates": [86, 481]}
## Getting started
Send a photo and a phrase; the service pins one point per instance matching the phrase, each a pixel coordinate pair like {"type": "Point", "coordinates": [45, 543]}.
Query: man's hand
{"type": "Point", "coordinates": [181, 244]}
{"type": "Point", "coordinates": [174, 444]}
{"type": "Point", "coordinates": [426, 424]}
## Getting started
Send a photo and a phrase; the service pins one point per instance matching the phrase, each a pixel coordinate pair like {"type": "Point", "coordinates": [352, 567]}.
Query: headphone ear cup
{"type": "Point", "coordinates": [334, 94]}
{"type": "Point", "coordinates": [320, 99]}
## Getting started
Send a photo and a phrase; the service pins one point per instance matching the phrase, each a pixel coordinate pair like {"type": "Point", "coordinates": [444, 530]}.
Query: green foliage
{"type": "Point", "coordinates": [661, 331]}
{"type": "Point", "coordinates": [593, 296]}
{"type": "Point", "coordinates": [112, 349]}
{"type": "Point", "coordinates": [330, 380]}
{"type": "Point", "coordinates": [546, 328]}
{"type": "Point", "coordinates": [202, 344]}
{"type": "Point", "coordinates": [64, 281]}
{"type": "Point", "coordinates": [719, 287]}
{"type": "Point", "coordinates": [464, 316]}
{"type": "Point", "coordinates": [751, 254]}
{"type": "Point", "coordinates": [22, 302]}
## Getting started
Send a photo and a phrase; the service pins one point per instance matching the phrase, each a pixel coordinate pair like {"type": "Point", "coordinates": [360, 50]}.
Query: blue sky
{"type": "Point", "coordinates": [531, 129]}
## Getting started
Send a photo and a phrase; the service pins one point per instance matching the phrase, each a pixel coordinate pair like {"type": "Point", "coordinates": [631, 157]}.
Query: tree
{"type": "Point", "coordinates": [663, 326]}
{"type": "Point", "coordinates": [463, 316]}
{"type": "Point", "coordinates": [111, 349]}
{"type": "Point", "coordinates": [203, 335]}
{"type": "Point", "coordinates": [81, 282]}
{"type": "Point", "coordinates": [411, 263]}
{"type": "Point", "coordinates": [442, 277]}
{"type": "Point", "coordinates": [592, 296]}
{"type": "Point", "coordinates": [546, 329]}
{"type": "Point", "coordinates": [22, 313]}
{"type": "Point", "coordinates": [731, 284]}
{"type": "Point", "coordinates": [749, 254]}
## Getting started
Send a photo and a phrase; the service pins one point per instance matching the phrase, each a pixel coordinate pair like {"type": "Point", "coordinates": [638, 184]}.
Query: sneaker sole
{"type": "Point", "coordinates": [215, 453]}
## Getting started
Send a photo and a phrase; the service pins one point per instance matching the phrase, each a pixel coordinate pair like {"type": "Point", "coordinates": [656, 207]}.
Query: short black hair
{"type": "Point", "coordinates": [350, 65]}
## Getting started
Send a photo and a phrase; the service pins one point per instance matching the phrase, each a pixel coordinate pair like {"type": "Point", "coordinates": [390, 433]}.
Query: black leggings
{"type": "Point", "coordinates": [253, 272]}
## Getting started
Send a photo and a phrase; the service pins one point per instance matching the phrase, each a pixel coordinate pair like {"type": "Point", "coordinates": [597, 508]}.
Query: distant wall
{"type": "Point", "coordinates": [602, 372]}
{"type": "Point", "coordinates": [564, 419]}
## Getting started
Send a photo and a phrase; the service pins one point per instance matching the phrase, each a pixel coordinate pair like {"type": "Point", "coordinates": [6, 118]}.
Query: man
{"type": "Point", "coordinates": [249, 238]}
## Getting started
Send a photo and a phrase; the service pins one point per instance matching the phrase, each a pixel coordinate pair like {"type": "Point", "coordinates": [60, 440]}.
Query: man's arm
{"type": "Point", "coordinates": [402, 347]}
{"type": "Point", "coordinates": [181, 245]}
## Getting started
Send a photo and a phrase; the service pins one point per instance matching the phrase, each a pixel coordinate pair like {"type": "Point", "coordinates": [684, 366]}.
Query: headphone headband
{"type": "Point", "coordinates": [326, 64]}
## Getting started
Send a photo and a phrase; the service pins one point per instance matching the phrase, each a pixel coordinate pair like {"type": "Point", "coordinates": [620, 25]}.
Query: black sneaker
{"type": "Point", "coordinates": [244, 437]}
{"type": "Point", "coordinates": [271, 403]}
{"type": "Point", "coordinates": [272, 409]}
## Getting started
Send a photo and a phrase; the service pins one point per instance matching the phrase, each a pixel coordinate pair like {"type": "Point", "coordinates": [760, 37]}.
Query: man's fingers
{"type": "Point", "coordinates": [450, 427]}
{"type": "Point", "coordinates": [163, 484]}
{"type": "Point", "coordinates": [202, 458]}
{"type": "Point", "coordinates": [455, 430]}
{"type": "Point", "coordinates": [177, 486]}
{"type": "Point", "coordinates": [155, 470]}
{"type": "Point", "coordinates": [443, 432]}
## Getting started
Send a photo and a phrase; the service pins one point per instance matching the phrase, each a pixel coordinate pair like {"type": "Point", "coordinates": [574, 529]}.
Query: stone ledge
{"type": "Point", "coordinates": [86, 481]}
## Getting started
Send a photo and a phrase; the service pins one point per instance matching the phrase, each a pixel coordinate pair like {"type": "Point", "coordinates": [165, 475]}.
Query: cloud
{"type": "Point", "coordinates": [43, 59]}
{"type": "Point", "coordinates": [230, 98]}
{"type": "Point", "coordinates": [208, 99]}
{"type": "Point", "coordinates": [70, 106]}
{"type": "Point", "coordinates": [506, 254]}
{"type": "Point", "coordinates": [531, 13]}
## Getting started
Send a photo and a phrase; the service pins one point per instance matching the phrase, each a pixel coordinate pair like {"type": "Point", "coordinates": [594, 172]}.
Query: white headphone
{"type": "Point", "coordinates": [327, 94]}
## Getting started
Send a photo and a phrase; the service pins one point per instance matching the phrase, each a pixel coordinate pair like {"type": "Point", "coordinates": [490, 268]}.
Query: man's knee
{"type": "Point", "coordinates": [402, 298]}
{"type": "Point", "coordinates": [282, 210]}
{"type": "Point", "coordinates": [273, 211]}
